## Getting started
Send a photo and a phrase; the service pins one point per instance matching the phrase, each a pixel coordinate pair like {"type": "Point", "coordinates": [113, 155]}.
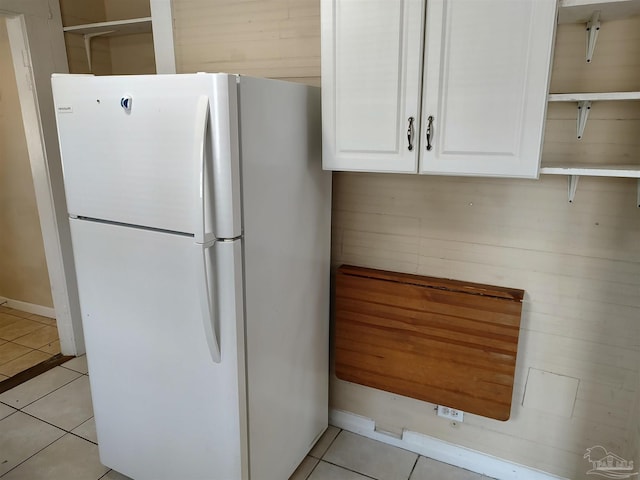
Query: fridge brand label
{"type": "Point", "coordinates": [65, 109]}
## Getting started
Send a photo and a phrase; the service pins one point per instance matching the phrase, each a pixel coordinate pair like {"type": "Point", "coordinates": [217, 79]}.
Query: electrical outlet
{"type": "Point", "coordinates": [450, 413]}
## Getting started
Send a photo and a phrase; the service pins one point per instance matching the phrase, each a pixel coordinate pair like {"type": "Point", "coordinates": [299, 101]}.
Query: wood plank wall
{"type": "Point", "coordinates": [578, 263]}
{"type": "Point", "coordinates": [612, 130]}
{"type": "Point", "coordinates": [123, 55]}
{"type": "Point", "coordinates": [130, 54]}
{"type": "Point", "coordinates": [262, 38]}
{"type": "Point", "coordinates": [80, 12]}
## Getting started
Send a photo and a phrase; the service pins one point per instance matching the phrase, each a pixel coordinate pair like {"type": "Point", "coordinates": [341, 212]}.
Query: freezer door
{"type": "Point", "coordinates": [158, 151]}
{"type": "Point", "coordinates": [164, 409]}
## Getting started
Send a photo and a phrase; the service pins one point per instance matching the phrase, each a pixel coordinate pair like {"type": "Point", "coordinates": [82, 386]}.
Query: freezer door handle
{"type": "Point", "coordinates": [209, 316]}
{"type": "Point", "coordinates": [200, 144]}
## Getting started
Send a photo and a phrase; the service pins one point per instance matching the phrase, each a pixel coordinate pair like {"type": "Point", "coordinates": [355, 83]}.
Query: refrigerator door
{"type": "Point", "coordinates": [164, 409]}
{"type": "Point", "coordinates": [158, 151]}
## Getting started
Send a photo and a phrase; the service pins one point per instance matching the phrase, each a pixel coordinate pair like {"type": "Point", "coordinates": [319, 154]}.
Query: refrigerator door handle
{"type": "Point", "coordinates": [200, 143]}
{"type": "Point", "coordinates": [208, 312]}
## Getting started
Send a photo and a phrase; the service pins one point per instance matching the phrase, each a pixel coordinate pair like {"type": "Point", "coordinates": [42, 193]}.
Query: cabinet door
{"type": "Point", "coordinates": [486, 77]}
{"type": "Point", "coordinates": [371, 74]}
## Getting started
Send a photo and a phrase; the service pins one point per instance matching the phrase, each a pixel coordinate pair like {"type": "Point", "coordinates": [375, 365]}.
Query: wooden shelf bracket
{"type": "Point", "coordinates": [573, 186]}
{"type": "Point", "coordinates": [583, 114]}
{"type": "Point", "coordinates": [593, 27]}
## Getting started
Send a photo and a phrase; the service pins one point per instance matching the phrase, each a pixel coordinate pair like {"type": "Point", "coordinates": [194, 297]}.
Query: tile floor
{"type": "Point", "coordinates": [26, 339]}
{"type": "Point", "coordinates": [47, 433]}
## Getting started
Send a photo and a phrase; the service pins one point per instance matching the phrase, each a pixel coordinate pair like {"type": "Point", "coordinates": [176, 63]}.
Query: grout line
{"type": "Point", "coordinates": [312, 470]}
{"type": "Point", "coordinates": [414, 466]}
{"type": "Point", "coordinates": [331, 443]}
{"type": "Point", "coordinates": [31, 350]}
{"type": "Point", "coordinates": [348, 469]}
{"type": "Point", "coordinates": [80, 436]}
{"type": "Point", "coordinates": [46, 394]}
{"type": "Point", "coordinates": [49, 423]}
{"type": "Point", "coordinates": [324, 453]}
{"type": "Point", "coordinates": [31, 456]}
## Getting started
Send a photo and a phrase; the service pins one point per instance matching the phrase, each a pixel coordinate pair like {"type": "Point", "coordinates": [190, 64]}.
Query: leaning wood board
{"type": "Point", "coordinates": [442, 341]}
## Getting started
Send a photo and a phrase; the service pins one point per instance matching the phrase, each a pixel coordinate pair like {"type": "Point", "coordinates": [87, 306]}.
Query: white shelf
{"type": "Point", "coordinates": [591, 97]}
{"type": "Point", "coordinates": [117, 27]}
{"type": "Point", "coordinates": [109, 29]}
{"type": "Point", "coordinates": [623, 171]}
{"type": "Point", "coordinates": [580, 11]}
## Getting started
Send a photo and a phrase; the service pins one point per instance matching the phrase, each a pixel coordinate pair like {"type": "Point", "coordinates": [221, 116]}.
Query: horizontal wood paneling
{"type": "Point", "coordinates": [611, 133]}
{"type": "Point", "coordinates": [615, 64]}
{"type": "Point", "coordinates": [579, 265]}
{"type": "Point", "coordinates": [269, 38]}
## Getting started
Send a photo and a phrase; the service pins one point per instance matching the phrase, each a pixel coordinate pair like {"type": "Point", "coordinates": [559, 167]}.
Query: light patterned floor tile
{"type": "Point", "coordinates": [52, 348]}
{"type": "Point", "coordinates": [20, 437]}
{"type": "Point", "coordinates": [323, 444]}
{"type": "Point", "coordinates": [326, 471]}
{"type": "Point", "coordinates": [369, 457]}
{"type": "Point", "coordinates": [87, 430]}
{"type": "Point", "coordinates": [38, 387]}
{"type": "Point", "coordinates": [428, 469]}
{"type": "Point", "coordinates": [7, 319]}
{"type": "Point", "coordinates": [41, 319]}
{"type": "Point", "coordinates": [113, 475]}
{"type": "Point", "coordinates": [14, 312]}
{"type": "Point", "coordinates": [67, 407]}
{"type": "Point", "coordinates": [5, 411]}
{"type": "Point", "coordinates": [79, 364]}
{"type": "Point", "coordinates": [24, 362]}
{"type": "Point", "coordinates": [10, 351]}
{"type": "Point", "coordinates": [68, 458]}
{"type": "Point", "coordinates": [19, 328]}
{"type": "Point", "coordinates": [304, 469]}
{"type": "Point", "coordinates": [38, 338]}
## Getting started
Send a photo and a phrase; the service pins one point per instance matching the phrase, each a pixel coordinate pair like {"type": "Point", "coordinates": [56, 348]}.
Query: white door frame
{"type": "Point", "coordinates": [38, 50]}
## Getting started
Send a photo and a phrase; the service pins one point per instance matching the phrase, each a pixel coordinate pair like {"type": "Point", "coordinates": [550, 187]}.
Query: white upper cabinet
{"type": "Point", "coordinates": [486, 78]}
{"type": "Point", "coordinates": [371, 74]}
{"type": "Point", "coordinates": [480, 107]}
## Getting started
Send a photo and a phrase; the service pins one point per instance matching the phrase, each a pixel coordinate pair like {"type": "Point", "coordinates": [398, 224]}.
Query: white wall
{"type": "Point", "coordinates": [23, 267]}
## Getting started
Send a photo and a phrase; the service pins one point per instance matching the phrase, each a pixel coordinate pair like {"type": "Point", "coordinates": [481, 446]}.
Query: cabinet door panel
{"type": "Point", "coordinates": [371, 74]}
{"type": "Point", "coordinates": [486, 77]}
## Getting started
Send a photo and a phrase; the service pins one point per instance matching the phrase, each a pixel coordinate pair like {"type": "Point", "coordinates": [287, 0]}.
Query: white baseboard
{"type": "Point", "coordinates": [28, 307]}
{"type": "Point", "coordinates": [439, 449]}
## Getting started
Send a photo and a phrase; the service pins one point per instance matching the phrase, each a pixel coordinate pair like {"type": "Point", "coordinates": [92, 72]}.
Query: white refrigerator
{"type": "Point", "coordinates": [200, 224]}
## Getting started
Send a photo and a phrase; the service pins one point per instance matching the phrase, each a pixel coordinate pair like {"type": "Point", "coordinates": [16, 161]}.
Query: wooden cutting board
{"type": "Point", "coordinates": [442, 341]}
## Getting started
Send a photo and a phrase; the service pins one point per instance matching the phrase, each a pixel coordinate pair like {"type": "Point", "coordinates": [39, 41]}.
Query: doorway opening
{"type": "Point", "coordinates": [29, 339]}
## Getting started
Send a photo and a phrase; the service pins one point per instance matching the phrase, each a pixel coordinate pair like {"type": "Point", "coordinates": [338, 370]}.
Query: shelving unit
{"type": "Point", "coordinates": [109, 29]}
{"type": "Point", "coordinates": [594, 14]}
{"type": "Point", "coordinates": [151, 17]}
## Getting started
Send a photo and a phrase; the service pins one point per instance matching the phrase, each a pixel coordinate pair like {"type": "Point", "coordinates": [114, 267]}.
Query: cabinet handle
{"type": "Point", "coordinates": [410, 133]}
{"type": "Point", "coordinates": [429, 131]}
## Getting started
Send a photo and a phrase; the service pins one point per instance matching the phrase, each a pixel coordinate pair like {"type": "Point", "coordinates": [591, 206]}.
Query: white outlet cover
{"type": "Point", "coordinates": [450, 413]}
